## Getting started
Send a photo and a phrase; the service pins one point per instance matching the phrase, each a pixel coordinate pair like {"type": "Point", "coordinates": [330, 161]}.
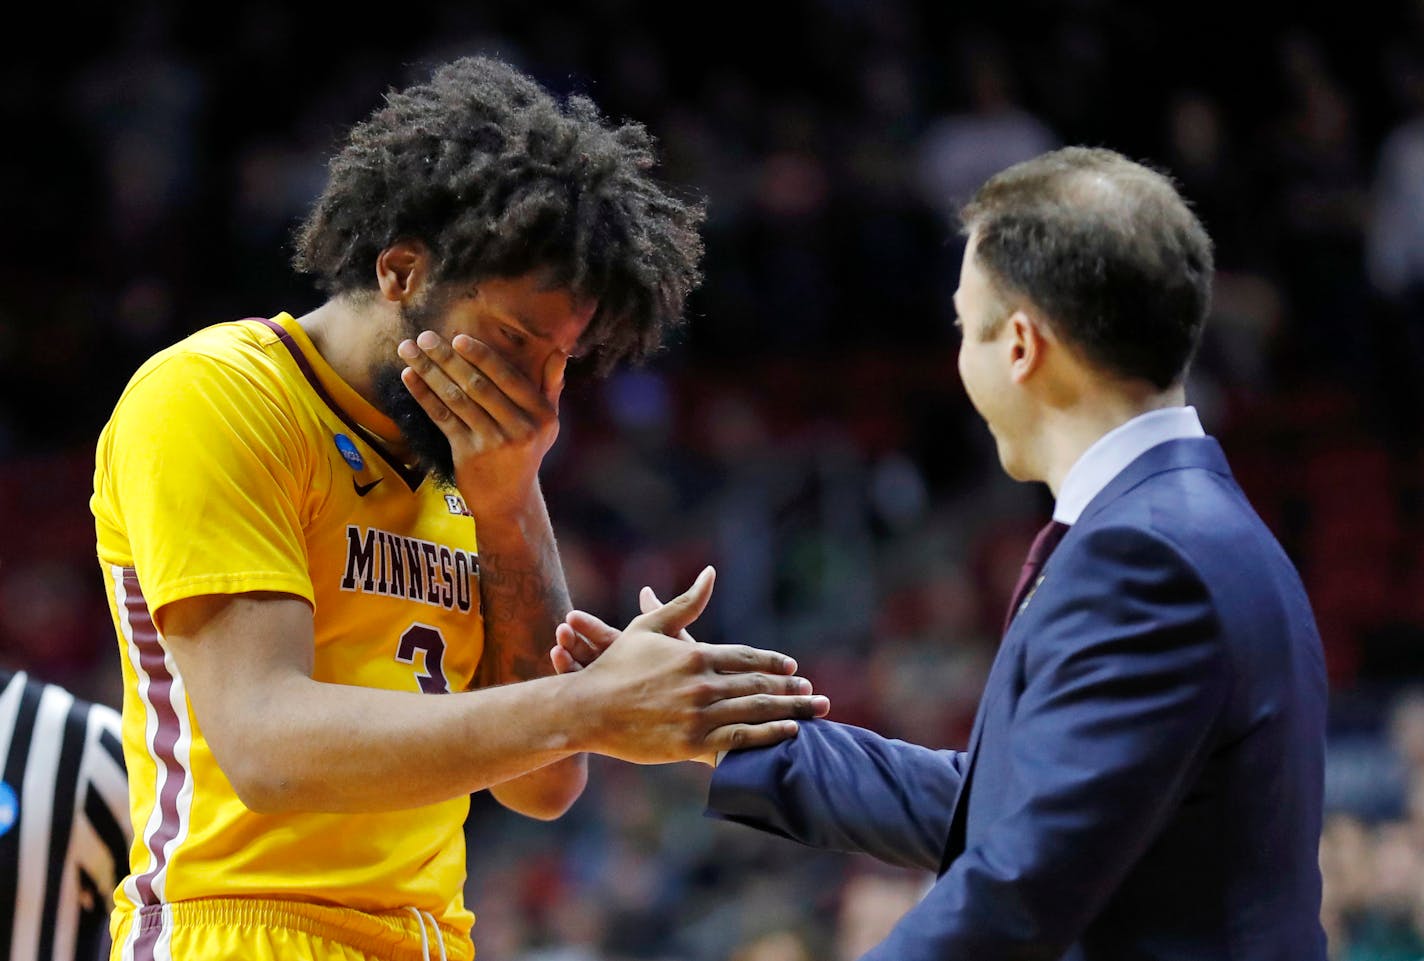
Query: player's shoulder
{"type": "Point", "coordinates": [230, 377]}
{"type": "Point", "coordinates": [237, 365]}
{"type": "Point", "coordinates": [234, 346]}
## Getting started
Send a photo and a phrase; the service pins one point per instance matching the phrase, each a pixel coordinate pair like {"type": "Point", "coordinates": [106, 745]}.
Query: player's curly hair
{"type": "Point", "coordinates": [497, 179]}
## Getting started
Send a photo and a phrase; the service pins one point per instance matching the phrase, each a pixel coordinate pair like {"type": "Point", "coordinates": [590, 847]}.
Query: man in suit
{"type": "Point", "coordinates": [1144, 776]}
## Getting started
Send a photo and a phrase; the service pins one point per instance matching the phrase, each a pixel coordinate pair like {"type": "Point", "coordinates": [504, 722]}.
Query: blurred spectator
{"type": "Point", "coordinates": [1396, 239]}
{"type": "Point", "coordinates": [1202, 158]}
{"type": "Point", "coordinates": [962, 149]}
{"type": "Point", "coordinates": [776, 946]}
{"type": "Point", "coordinates": [1321, 202]}
{"type": "Point", "coordinates": [871, 903]}
{"type": "Point", "coordinates": [1396, 232]}
{"type": "Point", "coordinates": [1388, 924]}
{"type": "Point", "coordinates": [1345, 866]}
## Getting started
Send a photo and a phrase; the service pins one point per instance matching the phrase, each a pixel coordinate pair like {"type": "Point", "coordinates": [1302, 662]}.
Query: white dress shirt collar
{"type": "Point", "coordinates": [1116, 449]}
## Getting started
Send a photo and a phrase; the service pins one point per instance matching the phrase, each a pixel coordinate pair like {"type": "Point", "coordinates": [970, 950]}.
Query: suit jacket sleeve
{"type": "Point", "coordinates": [843, 788]}
{"type": "Point", "coordinates": [1124, 682]}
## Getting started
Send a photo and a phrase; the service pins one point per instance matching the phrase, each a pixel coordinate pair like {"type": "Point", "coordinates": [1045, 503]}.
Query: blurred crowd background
{"type": "Point", "coordinates": [807, 433]}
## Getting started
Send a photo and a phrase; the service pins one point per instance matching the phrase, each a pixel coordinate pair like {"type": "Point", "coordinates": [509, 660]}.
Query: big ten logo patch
{"type": "Point", "coordinates": [456, 503]}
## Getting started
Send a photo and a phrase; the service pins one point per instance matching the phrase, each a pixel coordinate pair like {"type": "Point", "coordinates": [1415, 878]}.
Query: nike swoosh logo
{"type": "Point", "coordinates": [363, 489]}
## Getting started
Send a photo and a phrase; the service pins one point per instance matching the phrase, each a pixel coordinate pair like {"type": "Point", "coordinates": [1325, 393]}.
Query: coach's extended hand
{"type": "Point", "coordinates": [693, 699]}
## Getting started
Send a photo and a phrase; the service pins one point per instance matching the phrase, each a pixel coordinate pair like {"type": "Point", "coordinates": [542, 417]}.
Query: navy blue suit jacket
{"type": "Point", "coordinates": [1144, 777]}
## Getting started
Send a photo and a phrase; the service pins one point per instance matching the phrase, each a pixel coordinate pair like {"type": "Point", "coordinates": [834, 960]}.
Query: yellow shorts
{"type": "Point", "coordinates": [250, 929]}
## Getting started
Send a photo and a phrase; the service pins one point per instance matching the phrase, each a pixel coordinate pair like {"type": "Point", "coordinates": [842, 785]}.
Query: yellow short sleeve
{"type": "Point", "coordinates": [199, 483]}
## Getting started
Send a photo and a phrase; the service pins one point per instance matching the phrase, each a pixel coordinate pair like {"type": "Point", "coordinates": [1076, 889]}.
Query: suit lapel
{"type": "Point", "coordinates": [999, 681]}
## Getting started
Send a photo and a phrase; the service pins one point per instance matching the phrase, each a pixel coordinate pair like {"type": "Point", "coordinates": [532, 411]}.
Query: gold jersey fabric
{"type": "Point", "coordinates": [237, 460]}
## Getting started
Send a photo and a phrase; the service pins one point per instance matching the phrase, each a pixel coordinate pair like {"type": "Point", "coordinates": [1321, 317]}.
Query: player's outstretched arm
{"type": "Point", "coordinates": [289, 742]}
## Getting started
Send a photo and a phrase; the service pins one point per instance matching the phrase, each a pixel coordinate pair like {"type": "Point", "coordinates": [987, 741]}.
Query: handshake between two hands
{"type": "Point", "coordinates": [665, 697]}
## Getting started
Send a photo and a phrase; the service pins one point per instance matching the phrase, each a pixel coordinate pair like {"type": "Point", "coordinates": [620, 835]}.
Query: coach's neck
{"type": "Point", "coordinates": [1079, 404]}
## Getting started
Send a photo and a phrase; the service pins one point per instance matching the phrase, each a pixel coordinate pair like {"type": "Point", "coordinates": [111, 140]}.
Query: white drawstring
{"type": "Point", "coordinates": [439, 937]}
{"type": "Point", "coordinates": [424, 942]}
{"type": "Point", "coordinates": [420, 918]}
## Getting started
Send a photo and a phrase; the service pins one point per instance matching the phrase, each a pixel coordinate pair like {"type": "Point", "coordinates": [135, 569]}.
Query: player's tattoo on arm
{"type": "Point", "coordinates": [524, 597]}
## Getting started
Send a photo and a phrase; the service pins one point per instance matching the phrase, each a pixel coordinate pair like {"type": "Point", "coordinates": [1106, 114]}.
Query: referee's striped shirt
{"type": "Point", "coordinates": [64, 822]}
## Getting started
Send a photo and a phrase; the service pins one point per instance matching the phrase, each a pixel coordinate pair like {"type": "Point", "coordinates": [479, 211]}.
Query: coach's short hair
{"type": "Point", "coordinates": [498, 178]}
{"type": "Point", "coordinates": [1107, 249]}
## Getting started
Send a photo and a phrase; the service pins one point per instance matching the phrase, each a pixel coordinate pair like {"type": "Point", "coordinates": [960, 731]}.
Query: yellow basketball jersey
{"type": "Point", "coordinates": [237, 460]}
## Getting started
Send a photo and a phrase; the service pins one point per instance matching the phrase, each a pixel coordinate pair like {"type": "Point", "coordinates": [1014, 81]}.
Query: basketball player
{"type": "Point", "coordinates": [320, 657]}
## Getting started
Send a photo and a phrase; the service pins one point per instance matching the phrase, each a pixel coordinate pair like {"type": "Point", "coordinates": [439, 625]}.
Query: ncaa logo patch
{"type": "Point", "coordinates": [349, 453]}
{"type": "Point", "coordinates": [9, 808]}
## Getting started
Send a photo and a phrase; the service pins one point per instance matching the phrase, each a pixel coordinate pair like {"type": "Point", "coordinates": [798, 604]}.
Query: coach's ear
{"type": "Point", "coordinates": [402, 269]}
{"type": "Point", "coordinates": [1026, 342]}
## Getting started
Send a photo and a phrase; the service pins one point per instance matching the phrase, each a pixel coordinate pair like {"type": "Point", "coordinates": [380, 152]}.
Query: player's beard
{"type": "Point", "coordinates": [421, 436]}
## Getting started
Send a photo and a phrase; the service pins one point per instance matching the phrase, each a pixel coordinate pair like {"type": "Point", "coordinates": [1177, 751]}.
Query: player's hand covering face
{"type": "Point", "coordinates": [692, 700]}
{"type": "Point", "coordinates": [498, 423]}
{"type": "Point", "coordinates": [483, 372]}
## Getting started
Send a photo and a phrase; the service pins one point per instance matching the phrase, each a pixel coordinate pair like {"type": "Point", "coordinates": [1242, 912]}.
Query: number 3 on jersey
{"type": "Point", "coordinates": [423, 637]}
